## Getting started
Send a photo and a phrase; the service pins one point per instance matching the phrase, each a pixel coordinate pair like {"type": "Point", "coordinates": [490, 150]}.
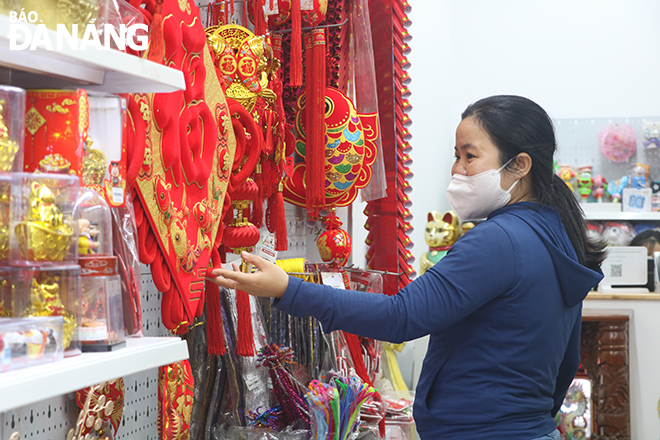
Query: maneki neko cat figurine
{"type": "Point", "coordinates": [442, 231]}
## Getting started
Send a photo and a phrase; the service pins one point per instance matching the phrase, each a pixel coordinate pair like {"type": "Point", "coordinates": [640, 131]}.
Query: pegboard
{"type": "Point", "coordinates": [51, 419]}
{"type": "Point", "coordinates": [577, 145]}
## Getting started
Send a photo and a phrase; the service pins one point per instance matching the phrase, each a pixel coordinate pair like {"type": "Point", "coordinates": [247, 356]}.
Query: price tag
{"type": "Point", "coordinates": [117, 196]}
{"type": "Point", "coordinates": [333, 279]}
{"type": "Point", "coordinates": [266, 249]}
{"type": "Point", "coordinates": [252, 382]}
{"type": "Point", "coordinates": [306, 5]}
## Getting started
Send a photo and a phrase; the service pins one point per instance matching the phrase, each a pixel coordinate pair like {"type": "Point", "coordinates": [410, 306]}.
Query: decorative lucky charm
{"type": "Point", "coordinates": [442, 231]}
{"type": "Point", "coordinates": [96, 408]}
{"type": "Point", "coordinates": [334, 244]}
{"type": "Point", "coordinates": [175, 400]}
{"type": "Point", "coordinates": [112, 394]}
{"type": "Point", "coordinates": [44, 235]}
{"type": "Point", "coordinates": [350, 151]}
{"type": "Point", "coordinates": [186, 143]}
{"type": "Point", "coordinates": [8, 147]}
{"type": "Point", "coordinates": [249, 68]}
{"type": "Point", "coordinates": [45, 300]}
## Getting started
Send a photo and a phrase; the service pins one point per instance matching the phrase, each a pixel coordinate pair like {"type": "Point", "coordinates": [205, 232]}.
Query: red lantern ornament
{"type": "Point", "coordinates": [334, 244]}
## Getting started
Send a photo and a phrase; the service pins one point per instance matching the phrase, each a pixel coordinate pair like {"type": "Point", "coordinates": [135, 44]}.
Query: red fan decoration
{"type": "Point", "coordinates": [188, 149]}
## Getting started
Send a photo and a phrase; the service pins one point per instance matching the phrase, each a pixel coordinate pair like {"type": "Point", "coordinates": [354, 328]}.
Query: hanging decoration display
{"type": "Point", "coordinates": [175, 398]}
{"type": "Point", "coordinates": [188, 147]}
{"type": "Point", "coordinates": [109, 395]}
{"type": "Point", "coordinates": [349, 152]}
{"type": "Point", "coordinates": [335, 243]}
{"type": "Point", "coordinates": [389, 250]}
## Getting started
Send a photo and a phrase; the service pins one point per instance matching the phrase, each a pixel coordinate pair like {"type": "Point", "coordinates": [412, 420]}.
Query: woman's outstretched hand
{"type": "Point", "coordinates": [269, 280]}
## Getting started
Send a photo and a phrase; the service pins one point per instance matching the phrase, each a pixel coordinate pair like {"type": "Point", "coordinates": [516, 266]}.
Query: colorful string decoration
{"type": "Point", "coordinates": [287, 390]}
{"type": "Point", "coordinates": [336, 406]}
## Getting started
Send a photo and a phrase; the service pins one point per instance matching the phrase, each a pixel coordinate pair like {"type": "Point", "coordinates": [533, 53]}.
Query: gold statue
{"type": "Point", "coordinates": [442, 231]}
{"type": "Point", "coordinates": [45, 301]}
{"type": "Point", "coordinates": [43, 236]}
{"type": "Point", "coordinates": [8, 147]}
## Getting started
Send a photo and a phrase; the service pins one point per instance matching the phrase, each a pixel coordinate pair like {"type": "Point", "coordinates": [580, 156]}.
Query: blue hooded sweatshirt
{"type": "Point", "coordinates": [503, 309]}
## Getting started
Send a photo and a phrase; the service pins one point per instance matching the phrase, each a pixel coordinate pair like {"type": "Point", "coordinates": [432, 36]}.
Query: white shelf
{"type": "Point", "coordinates": [101, 70]}
{"type": "Point", "coordinates": [32, 384]}
{"type": "Point", "coordinates": [609, 211]}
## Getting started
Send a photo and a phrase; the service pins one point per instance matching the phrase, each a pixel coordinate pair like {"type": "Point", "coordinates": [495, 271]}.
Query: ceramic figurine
{"type": "Point", "coordinates": [640, 174]}
{"type": "Point", "coordinates": [584, 182]}
{"type": "Point", "coordinates": [615, 188]}
{"type": "Point", "coordinates": [442, 231]}
{"type": "Point", "coordinates": [599, 188]}
{"type": "Point", "coordinates": [567, 175]}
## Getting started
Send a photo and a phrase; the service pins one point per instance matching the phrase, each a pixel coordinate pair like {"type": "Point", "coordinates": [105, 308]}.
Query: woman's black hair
{"type": "Point", "coordinates": [646, 238]}
{"type": "Point", "coordinates": [518, 125]}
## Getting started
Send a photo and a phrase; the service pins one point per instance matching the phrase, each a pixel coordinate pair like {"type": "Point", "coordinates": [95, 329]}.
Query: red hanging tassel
{"type": "Point", "coordinates": [215, 336]}
{"type": "Point", "coordinates": [244, 334]}
{"type": "Point", "coordinates": [156, 39]}
{"type": "Point", "coordinates": [259, 20]}
{"type": "Point", "coordinates": [296, 45]}
{"type": "Point", "coordinates": [231, 5]}
{"type": "Point", "coordinates": [226, 12]}
{"type": "Point", "coordinates": [277, 220]}
{"type": "Point", "coordinates": [315, 121]}
{"type": "Point", "coordinates": [245, 13]}
{"type": "Point", "coordinates": [269, 144]}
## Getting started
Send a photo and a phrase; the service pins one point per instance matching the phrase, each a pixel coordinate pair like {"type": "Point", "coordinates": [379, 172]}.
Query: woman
{"type": "Point", "coordinates": [503, 307]}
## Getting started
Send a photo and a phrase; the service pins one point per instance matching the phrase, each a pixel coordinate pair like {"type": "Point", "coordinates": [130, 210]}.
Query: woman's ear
{"type": "Point", "coordinates": [522, 165]}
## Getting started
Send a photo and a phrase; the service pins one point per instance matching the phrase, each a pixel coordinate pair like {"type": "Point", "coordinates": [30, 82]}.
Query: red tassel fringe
{"type": "Point", "coordinates": [156, 39]}
{"type": "Point", "coordinates": [315, 121]}
{"type": "Point", "coordinates": [277, 221]}
{"type": "Point", "coordinates": [244, 334]}
{"type": "Point", "coordinates": [259, 19]}
{"type": "Point", "coordinates": [215, 336]}
{"type": "Point", "coordinates": [296, 79]}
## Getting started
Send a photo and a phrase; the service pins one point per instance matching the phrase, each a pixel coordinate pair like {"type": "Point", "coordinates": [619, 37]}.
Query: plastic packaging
{"type": "Point", "coordinates": [25, 342]}
{"type": "Point", "coordinates": [12, 122]}
{"type": "Point", "coordinates": [125, 249]}
{"type": "Point", "coordinates": [94, 224]}
{"type": "Point", "coordinates": [5, 215]}
{"type": "Point", "coordinates": [46, 291]}
{"type": "Point", "coordinates": [617, 142]}
{"type": "Point", "coordinates": [42, 219]}
{"type": "Point", "coordinates": [102, 324]}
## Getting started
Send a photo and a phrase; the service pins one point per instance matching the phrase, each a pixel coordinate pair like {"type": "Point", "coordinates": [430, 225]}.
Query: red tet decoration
{"type": "Point", "coordinates": [349, 152]}
{"type": "Point", "coordinates": [188, 150]}
{"type": "Point", "coordinates": [175, 400]}
{"type": "Point", "coordinates": [334, 244]}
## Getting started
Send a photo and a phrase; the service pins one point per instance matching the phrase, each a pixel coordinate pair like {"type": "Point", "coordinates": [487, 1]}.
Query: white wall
{"type": "Point", "coordinates": [576, 58]}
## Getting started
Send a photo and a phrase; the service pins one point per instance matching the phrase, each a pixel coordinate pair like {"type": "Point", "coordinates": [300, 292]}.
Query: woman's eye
{"type": "Point", "coordinates": [470, 156]}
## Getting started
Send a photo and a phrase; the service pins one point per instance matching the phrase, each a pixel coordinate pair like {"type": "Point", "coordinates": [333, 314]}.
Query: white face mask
{"type": "Point", "coordinates": [475, 197]}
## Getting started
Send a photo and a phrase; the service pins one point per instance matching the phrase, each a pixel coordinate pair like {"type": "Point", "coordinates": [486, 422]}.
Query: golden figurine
{"type": "Point", "coordinates": [245, 61]}
{"type": "Point", "coordinates": [45, 301]}
{"type": "Point", "coordinates": [4, 219]}
{"type": "Point", "coordinates": [442, 231]}
{"type": "Point", "coordinates": [44, 236]}
{"type": "Point", "coordinates": [8, 147]}
{"type": "Point", "coordinates": [94, 167]}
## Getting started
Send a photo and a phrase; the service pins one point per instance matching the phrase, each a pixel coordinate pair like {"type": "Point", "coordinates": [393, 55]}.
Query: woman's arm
{"type": "Point", "coordinates": [479, 267]}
